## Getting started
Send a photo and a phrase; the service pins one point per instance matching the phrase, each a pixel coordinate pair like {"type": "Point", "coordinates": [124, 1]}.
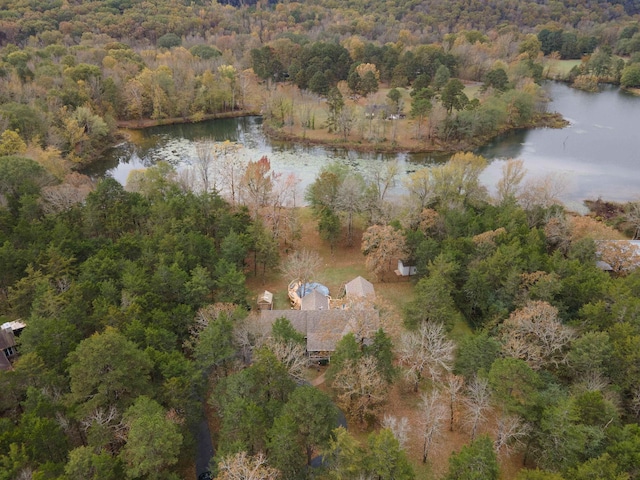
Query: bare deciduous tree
{"type": "Point", "coordinates": [453, 387]}
{"type": "Point", "coordinates": [399, 427]}
{"type": "Point", "coordinates": [426, 351]}
{"type": "Point", "coordinates": [632, 211]}
{"type": "Point", "coordinates": [363, 318]}
{"type": "Point", "coordinates": [419, 184]}
{"type": "Point", "coordinates": [362, 390]}
{"type": "Point", "coordinates": [619, 255]}
{"type": "Point", "coordinates": [635, 402]}
{"type": "Point", "coordinates": [231, 168]}
{"type": "Point", "coordinates": [477, 402]}
{"type": "Point", "coordinates": [349, 200]}
{"type": "Point", "coordinates": [292, 355]}
{"type": "Point", "coordinates": [557, 230]}
{"type": "Point", "coordinates": [433, 415]}
{"type": "Point", "coordinates": [508, 187]}
{"type": "Point", "coordinates": [301, 265]}
{"type": "Point", "coordinates": [345, 120]}
{"type": "Point", "coordinates": [534, 334]}
{"type": "Point", "coordinates": [74, 190]}
{"type": "Point", "coordinates": [384, 177]}
{"type": "Point", "coordinates": [246, 467]}
{"type": "Point", "coordinates": [541, 192]}
{"type": "Point", "coordinates": [282, 210]}
{"type": "Point", "coordinates": [382, 245]}
{"type": "Point", "coordinates": [510, 430]}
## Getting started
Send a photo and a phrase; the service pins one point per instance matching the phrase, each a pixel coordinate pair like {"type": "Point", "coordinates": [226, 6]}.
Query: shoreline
{"type": "Point", "coordinates": [546, 120]}
{"type": "Point", "coordinates": [143, 123]}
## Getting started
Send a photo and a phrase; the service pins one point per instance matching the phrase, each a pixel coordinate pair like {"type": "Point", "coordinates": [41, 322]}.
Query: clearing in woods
{"type": "Point", "coordinates": [340, 266]}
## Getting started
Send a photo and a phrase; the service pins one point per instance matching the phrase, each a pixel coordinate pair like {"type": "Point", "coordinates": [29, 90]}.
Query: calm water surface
{"type": "Point", "coordinates": [598, 155]}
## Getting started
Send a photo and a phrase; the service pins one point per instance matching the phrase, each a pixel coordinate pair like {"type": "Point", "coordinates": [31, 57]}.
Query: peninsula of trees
{"type": "Point", "coordinates": [418, 76]}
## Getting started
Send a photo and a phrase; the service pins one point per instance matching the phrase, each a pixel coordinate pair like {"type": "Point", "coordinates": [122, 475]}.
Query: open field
{"type": "Point", "coordinates": [559, 69]}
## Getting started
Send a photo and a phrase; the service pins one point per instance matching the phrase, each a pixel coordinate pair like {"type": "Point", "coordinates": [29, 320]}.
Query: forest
{"type": "Point", "coordinates": [512, 353]}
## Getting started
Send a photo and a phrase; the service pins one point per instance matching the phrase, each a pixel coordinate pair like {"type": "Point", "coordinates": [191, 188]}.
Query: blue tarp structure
{"type": "Point", "coordinates": [307, 288]}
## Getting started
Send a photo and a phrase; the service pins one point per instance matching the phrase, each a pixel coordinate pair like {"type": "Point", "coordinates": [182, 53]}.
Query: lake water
{"type": "Point", "coordinates": [598, 155]}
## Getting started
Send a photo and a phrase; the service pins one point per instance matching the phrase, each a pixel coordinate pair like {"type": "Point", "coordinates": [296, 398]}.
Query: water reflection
{"type": "Point", "coordinates": [596, 156]}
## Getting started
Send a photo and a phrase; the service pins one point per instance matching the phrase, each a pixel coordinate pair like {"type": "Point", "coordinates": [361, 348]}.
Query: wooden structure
{"type": "Point", "coordinates": [8, 333]}
{"type": "Point", "coordinates": [265, 300]}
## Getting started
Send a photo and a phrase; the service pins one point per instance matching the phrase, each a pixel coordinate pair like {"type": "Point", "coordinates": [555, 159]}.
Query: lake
{"type": "Point", "coordinates": [598, 155]}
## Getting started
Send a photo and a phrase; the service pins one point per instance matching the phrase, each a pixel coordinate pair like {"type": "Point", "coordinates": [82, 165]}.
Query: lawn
{"type": "Point", "coordinates": [559, 69]}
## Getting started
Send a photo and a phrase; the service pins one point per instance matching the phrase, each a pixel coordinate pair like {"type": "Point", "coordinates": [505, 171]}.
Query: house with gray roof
{"type": "Point", "coordinates": [322, 329]}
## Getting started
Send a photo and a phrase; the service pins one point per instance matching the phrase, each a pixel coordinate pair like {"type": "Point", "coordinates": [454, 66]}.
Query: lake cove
{"type": "Point", "coordinates": [597, 155]}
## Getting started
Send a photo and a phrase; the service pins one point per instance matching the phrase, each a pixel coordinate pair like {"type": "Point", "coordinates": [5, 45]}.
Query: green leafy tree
{"type": "Point", "coordinates": [214, 346]}
{"type": "Point", "coordinates": [335, 103]}
{"type": "Point", "coordinates": [285, 453]}
{"type": "Point", "coordinates": [476, 353]}
{"type": "Point", "coordinates": [169, 40]}
{"type": "Point", "coordinates": [382, 350]}
{"type": "Point", "coordinates": [433, 299]}
{"type": "Point", "coordinates": [496, 78]}
{"type": "Point", "coordinates": [283, 331]}
{"type": "Point", "coordinates": [21, 177]}
{"type": "Point", "coordinates": [85, 464]}
{"type": "Point", "coordinates": [314, 416]}
{"type": "Point", "coordinates": [514, 384]}
{"type": "Point", "coordinates": [394, 97]}
{"type": "Point", "coordinates": [368, 83]}
{"type": "Point", "coordinates": [343, 456]}
{"type": "Point", "coordinates": [420, 109]}
{"type": "Point", "coordinates": [107, 370]}
{"type": "Point", "coordinates": [230, 284]}
{"type": "Point", "coordinates": [385, 458]}
{"type": "Point", "coordinates": [329, 227]}
{"type": "Point", "coordinates": [602, 468]}
{"type": "Point", "coordinates": [476, 461]}
{"type": "Point", "coordinates": [631, 76]}
{"type": "Point", "coordinates": [441, 77]}
{"type": "Point", "coordinates": [205, 52]}
{"type": "Point", "coordinates": [153, 440]}
{"type": "Point", "coordinates": [452, 96]}
{"type": "Point", "coordinates": [526, 474]}
{"type": "Point", "coordinates": [44, 439]}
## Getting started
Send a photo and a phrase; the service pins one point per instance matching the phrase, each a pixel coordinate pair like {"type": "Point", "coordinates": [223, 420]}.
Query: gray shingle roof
{"type": "Point", "coordinates": [314, 301]}
{"type": "Point", "coordinates": [359, 287]}
{"type": "Point", "coordinates": [323, 329]}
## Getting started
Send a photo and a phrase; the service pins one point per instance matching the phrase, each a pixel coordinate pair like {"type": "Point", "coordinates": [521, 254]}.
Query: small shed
{"type": "Point", "coordinates": [7, 347]}
{"type": "Point", "coordinates": [265, 300]}
{"type": "Point", "coordinates": [405, 270]}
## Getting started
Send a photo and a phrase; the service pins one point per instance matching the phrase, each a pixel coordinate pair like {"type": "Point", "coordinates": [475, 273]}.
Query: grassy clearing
{"type": "Point", "coordinates": [559, 69]}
